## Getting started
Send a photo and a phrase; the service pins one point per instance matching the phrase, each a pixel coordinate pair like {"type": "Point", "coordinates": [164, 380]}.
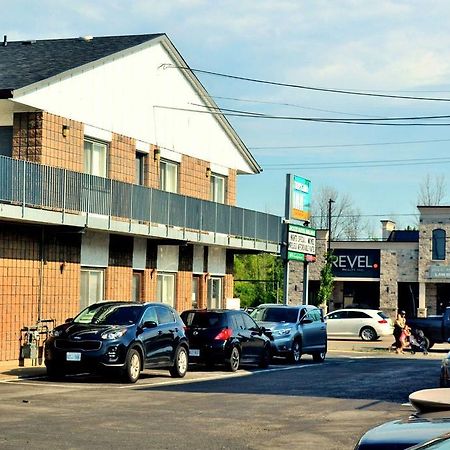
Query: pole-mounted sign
{"type": "Point", "coordinates": [298, 198]}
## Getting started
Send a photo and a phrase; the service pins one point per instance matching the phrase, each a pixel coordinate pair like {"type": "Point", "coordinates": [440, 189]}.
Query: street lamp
{"type": "Point", "coordinates": [330, 201]}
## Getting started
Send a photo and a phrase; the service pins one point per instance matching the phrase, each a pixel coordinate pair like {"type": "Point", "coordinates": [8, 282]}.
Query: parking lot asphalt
{"type": "Point", "coordinates": [10, 370]}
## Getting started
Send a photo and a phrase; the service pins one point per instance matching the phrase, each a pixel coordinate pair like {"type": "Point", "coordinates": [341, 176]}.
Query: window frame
{"type": "Point", "coordinates": [85, 302]}
{"type": "Point", "coordinates": [213, 188]}
{"type": "Point", "coordinates": [159, 287]}
{"type": "Point", "coordinates": [438, 244]}
{"type": "Point", "coordinates": [163, 164]}
{"type": "Point", "coordinates": [140, 159]}
{"type": "Point", "coordinates": [95, 142]}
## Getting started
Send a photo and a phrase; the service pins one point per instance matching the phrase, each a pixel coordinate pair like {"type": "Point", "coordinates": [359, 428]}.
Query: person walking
{"type": "Point", "coordinates": [399, 327]}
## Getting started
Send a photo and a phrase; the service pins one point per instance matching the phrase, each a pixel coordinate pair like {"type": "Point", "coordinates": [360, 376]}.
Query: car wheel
{"type": "Point", "coordinates": [368, 334]}
{"type": "Point", "coordinates": [319, 357]}
{"type": "Point", "coordinates": [265, 357]}
{"type": "Point", "coordinates": [180, 364]}
{"type": "Point", "coordinates": [296, 352]}
{"type": "Point", "coordinates": [235, 359]}
{"type": "Point", "coordinates": [133, 366]}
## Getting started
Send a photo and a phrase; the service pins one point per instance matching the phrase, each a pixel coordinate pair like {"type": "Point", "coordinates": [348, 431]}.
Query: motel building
{"type": "Point", "coordinates": [407, 269]}
{"type": "Point", "coordinates": [117, 182]}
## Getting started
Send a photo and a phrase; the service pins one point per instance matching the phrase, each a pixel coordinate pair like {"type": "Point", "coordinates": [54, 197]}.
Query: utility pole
{"type": "Point", "coordinates": [330, 201]}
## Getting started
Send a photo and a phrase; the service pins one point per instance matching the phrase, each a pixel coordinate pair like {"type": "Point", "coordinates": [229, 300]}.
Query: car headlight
{"type": "Point", "coordinates": [282, 332]}
{"type": "Point", "coordinates": [55, 333]}
{"type": "Point", "coordinates": [114, 334]}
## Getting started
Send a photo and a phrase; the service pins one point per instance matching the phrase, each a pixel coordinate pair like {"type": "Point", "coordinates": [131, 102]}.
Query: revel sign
{"type": "Point", "coordinates": [357, 263]}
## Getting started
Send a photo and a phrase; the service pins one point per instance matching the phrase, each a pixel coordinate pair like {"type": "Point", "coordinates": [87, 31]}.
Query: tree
{"type": "Point", "coordinates": [346, 219]}
{"type": "Point", "coordinates": [432, 190]}
{"type": "Point", "coordinates": [326, 281]}
{"type": "Point", "coordinates": [264, 275]}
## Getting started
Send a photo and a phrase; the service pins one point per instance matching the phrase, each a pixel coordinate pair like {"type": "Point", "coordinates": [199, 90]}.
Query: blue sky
{"type": "Point", "coordinates": [389, 47]}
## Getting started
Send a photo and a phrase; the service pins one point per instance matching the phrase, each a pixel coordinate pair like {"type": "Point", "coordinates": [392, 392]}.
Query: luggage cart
{"type": "Point", "coordinates": [32, 341]}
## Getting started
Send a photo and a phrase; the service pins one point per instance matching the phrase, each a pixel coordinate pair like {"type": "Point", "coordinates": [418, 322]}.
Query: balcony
{"type": "Point", "coordinates": [35, 193]}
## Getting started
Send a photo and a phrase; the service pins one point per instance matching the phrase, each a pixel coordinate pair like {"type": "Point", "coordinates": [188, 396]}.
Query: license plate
{"type": "Point", "coordinates": [73, 356]}
{"type": "Point", "coordinates": [194, 352]}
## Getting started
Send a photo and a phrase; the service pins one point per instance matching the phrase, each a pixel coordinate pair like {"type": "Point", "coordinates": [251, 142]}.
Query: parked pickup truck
{"type": "Point", "coordinates": [435, 328]}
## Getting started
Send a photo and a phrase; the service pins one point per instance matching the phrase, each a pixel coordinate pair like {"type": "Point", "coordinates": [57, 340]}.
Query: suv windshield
{"type": "Point", "coordinates": [203, 319]}
{"type": "Point", "coordinates": [109, 315]}
{"type": "Point", "coordinates": [275, 315]}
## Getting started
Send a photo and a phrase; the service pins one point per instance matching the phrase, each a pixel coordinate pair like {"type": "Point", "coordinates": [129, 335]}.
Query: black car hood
{"type": "Point", "coordinates": [84, 331]}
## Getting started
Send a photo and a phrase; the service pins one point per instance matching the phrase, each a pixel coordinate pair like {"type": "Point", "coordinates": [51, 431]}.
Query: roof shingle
{"type": "Point", "coordinates": [25, 62]}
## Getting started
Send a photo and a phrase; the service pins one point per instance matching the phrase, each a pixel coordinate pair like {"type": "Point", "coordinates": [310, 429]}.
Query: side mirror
{"type": "Point", "coordinates": [306, 320]}
{"type": "Point", "coordinates": [149, 324]}
{"type": "Point", "coordinates": [69, 320]}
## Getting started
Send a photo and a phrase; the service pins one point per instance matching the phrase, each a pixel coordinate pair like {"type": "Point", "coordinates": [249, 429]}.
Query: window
{"type": "Point", "coordinates": [165, 315]}
{"type": "Point", "coordinates": [249, 323]}
{"type": "Point", "coordinates": [214, 292]}
{"type": "Point", "coordinates": [165, 291]}
{"type": "Point", "coordinates": [438, 244]}
{"type": "Point", "coordinates": [139, 168]}
{"type": "Point", "coordinates": [358, 315]}
{"type": "Point", "coordinates": [150, 315]}
{"type": "Point", "coordinates": [136, 287]}
{"type": "Point", "coordinates": [217, 188]}
{"type": "Point", "coordinates": [91, 287]}
{"type": "Point", "coordinates": [195, 291]}
{"type": "Point", "coordinates": [338, 315]}
{"type": "Point", "coordinates": [95, 158]}
{"type": "Point", "coordinates": [168, 176]}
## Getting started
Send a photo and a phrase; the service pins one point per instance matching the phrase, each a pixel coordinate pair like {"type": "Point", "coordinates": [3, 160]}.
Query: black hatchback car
{"type": "Point", "coordinates": [119, 337]}
{"type": "Point", "coordinates": [227, 337]}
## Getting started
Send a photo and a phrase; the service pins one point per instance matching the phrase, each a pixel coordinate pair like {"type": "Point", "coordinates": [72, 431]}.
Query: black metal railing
{"type": "Point", "coordinates": [34, 185]}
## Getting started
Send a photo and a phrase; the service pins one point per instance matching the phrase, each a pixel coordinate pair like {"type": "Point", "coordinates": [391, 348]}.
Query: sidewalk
{"type": "Point", "coordinates": [10, 370]}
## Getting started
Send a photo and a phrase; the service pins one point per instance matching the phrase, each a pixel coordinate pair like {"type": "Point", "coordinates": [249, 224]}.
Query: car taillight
{"type": "Point", "coordinates": [225, 334]}
{"type": "Point", "coordinates": [382, 321]}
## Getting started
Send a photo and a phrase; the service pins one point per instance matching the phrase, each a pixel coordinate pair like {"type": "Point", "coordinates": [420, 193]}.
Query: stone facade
{"type": "Point", "coordinates": [406, 279]}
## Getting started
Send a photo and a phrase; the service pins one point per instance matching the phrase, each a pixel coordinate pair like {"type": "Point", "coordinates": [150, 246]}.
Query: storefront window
{"type": "Point", "coordinates": [438, 245]}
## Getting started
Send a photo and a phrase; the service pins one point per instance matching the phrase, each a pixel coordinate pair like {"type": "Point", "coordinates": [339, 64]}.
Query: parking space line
{"type": "Point", "coordinates": [214, 378]}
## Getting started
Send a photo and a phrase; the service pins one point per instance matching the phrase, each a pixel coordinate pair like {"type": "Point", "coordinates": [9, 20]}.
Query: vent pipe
{"type": "Point", "coordinates": [5, 40]}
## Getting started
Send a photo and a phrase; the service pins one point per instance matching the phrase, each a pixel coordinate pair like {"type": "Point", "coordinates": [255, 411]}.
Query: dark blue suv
{"type": "Point", "coordinates": [120, 337]}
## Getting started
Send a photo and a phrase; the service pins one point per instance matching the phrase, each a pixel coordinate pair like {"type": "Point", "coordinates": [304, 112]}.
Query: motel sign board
{"type": "Point", "coordinates": [301, 242]}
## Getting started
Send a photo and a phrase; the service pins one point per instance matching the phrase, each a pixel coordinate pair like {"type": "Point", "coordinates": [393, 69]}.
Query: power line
{"type": "Point", "coordinates": [357, 164]}
{"type": "Point", "coordinates": [304, 87]}
{"type": "Point", "coordinates": [347, 145]}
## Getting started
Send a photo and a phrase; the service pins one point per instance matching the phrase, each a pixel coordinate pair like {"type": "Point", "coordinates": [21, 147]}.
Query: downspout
{"type": "Point", "coordinates": [41, 273]}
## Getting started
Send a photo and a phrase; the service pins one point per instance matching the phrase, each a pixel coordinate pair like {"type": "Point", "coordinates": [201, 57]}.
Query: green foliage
{"type": "Point", "coordinates": [326, 281]}
{"type": "Point", "coordinates": [263, 271]}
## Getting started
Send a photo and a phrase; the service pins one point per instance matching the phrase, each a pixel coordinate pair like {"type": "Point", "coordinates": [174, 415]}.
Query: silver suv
{"type": "Point", "coordinates": [294, 330]}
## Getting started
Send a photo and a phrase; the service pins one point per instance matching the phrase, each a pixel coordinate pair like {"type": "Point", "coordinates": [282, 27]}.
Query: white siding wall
{"type": "Point", "coordinates": [130, 96]}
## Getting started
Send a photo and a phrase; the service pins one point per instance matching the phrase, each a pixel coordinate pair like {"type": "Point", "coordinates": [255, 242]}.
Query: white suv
{"type": "Point", "coordinates": [368, 324]}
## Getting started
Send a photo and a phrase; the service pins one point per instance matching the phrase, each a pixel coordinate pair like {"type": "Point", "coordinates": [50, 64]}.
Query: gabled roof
{"type": "Point", "coordinates": [26, 62]}
{"type": "Point", "coordinates": [23, 63]}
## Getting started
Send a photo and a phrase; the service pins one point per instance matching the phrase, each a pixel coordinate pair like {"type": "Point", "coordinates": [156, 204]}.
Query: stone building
{"type": "Point", "coordinates": [406, 269]}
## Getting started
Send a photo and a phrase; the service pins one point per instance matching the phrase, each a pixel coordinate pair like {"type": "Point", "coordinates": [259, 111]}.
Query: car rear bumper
{"type": "Point", "coordinates": [214, 352]}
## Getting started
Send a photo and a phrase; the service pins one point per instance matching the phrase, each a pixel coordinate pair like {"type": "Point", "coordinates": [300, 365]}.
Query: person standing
{"type": "Point", "coordinates": [399, 326]}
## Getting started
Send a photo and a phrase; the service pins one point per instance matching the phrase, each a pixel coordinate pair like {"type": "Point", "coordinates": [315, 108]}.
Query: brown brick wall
{"type": "Point", "coordinates": [20, 278]}
{"type": "Point", "coordinates": [121, 158]}
{"type": "Point", "coordinates": [60, 151]}
{"type": "Point", "coordinates": [193, 179]}
{"type": "Point", "coordinates": [231, 187]}
{"type": "Point", "coordinates": [183, 291]}
{"type": "Point", "coordinates": [38, 137]}
{"type": "Point", "coordinates": [119, 273]}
